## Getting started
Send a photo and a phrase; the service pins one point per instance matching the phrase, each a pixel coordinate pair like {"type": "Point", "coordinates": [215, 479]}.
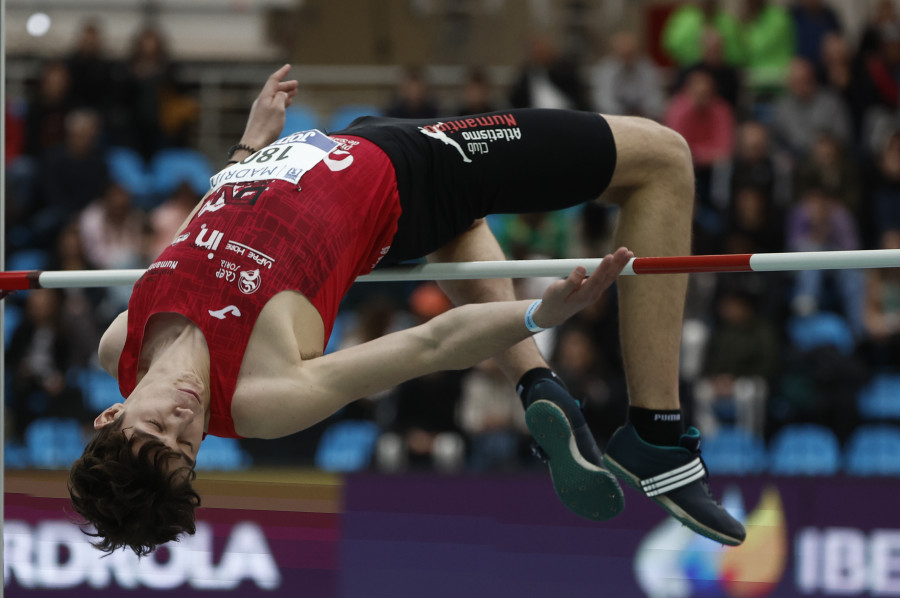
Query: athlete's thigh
{"type": "Point", "coordinates": [557, 159]}
{"type": "Point", "coordinates": [460, 169]}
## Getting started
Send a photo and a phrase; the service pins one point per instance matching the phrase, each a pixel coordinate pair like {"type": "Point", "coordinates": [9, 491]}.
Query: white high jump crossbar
{"type": "Point", "coordinates": [758, 262]}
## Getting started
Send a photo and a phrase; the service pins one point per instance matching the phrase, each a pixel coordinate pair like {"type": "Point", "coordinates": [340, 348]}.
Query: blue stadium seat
{"type": "Point", "coordinates": [12, 317]}
{"type": "Point", "coordinates": [819, 330]}
{"type": "Point", "coordinates": [222, 454]}
{"type": "Point", "coordinates": [15, 456]}
{"type": "Point", "coordinates": [346, 114]}
{"type": "Point", "coordinates": [804, 449]}
{"type": "Point", "coordinates": [299, 118]}
{"type": "Point", "coordinates": [127, 168]}
{"type": "Point", "coordinates": [53, 443]}
{"type": "Point", "coordinates": [880, 398]}
{"type": "Point", "coordinates": [734, 451]}
{"type": "Point", "coordinates": [873, 451]}
{"type": "Point", "coordinates": [342, 323]}
{"type": "Point", "coordinates": [99, 389]}
{"type": "Point", "coordinates": [347, 446]}
{"type": "Point", "coordinates": [171, 167]}
{"type": "Point", "coordinates": [28, 259]}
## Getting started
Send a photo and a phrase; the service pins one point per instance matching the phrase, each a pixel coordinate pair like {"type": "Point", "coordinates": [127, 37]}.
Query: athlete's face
{"type": "Point", "coordinates": [171, 413]}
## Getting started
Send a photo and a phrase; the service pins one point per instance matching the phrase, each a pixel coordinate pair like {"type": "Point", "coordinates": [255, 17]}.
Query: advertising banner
{"type": "Point", "coordinates": [270, 534]}
{"type": "Point", "coordinates": [370, 536]}
{"type": "Point", "coordinates": [510, 536]}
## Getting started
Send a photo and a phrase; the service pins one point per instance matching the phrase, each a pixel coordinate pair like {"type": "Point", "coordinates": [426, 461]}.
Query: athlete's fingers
{"type": "Point", "coordinates": [599, 280]}
{"type": "Point", "coordinates": [274, 79]}
{"type": "Point", "coordinates": [281, 98]}
{"type": "Point", "coordinates": [573, 282]}
{"type": "Point", "coordinates": [289, 86]}
{"type": "Point", "coordinates": [608, 270]}
{"type": "Point", "coordinates": [576, 276]}
{"type": "Point", "coordinates": [618, 261]}
{"type": "Point", "coordinates": [279, 75]}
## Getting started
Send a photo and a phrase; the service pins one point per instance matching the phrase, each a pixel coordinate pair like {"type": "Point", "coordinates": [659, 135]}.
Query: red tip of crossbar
{"type": "Point", "coordinates": [21, 280]}
{"type": "Point", "coordinates": [693, 263]}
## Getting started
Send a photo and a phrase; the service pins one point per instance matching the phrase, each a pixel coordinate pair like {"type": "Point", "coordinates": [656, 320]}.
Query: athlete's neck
{"type": "Point", "coordinates": [174, 349]}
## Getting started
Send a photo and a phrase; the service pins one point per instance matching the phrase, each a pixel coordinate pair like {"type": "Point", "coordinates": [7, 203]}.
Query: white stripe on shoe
{"type": "Point", "coordinates": [676, 478]}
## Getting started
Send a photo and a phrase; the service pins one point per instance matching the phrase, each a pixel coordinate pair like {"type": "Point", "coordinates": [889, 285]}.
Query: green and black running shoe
{"type": "Point", "coordinates": [675, 477]}
{"type": "Point", "coordinates": [565, 442]}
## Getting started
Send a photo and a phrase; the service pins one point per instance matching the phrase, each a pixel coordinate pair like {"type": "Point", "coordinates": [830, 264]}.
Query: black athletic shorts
{"type": "Point", "coordinates": [455, 170]}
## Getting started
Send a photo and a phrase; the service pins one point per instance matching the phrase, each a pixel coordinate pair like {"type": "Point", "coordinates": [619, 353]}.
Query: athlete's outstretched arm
{"type": "Point", "coordinates": [267, 114]}
{"type": "Point", "coordinates": [457, 339]}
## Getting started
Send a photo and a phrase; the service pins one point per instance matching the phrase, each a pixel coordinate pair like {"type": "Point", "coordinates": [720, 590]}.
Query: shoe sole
{"type": "Point", "coordinates": [667, 504]}
{"type": "Point", "coordinates": [588, 490]}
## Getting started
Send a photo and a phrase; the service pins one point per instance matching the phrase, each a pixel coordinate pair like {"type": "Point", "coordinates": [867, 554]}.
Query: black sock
{"type": "Point", "coordinates": [662, 427]}
{"type": "Point", "coordinates": [544, 384]}
{"type": "Point", "coordinates": [528, 380]}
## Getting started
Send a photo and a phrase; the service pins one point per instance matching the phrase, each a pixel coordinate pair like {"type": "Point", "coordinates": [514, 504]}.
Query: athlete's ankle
{"type": "Point", "coordinates": [662, 427]}
{"type": "Point", "coordinates": [528, 380]}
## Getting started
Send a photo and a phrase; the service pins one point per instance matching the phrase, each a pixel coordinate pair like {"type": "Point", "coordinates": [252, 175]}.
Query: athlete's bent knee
{"type": "Point", "coordinates": [648, 152]}
{"type": "Point", "coordinates": [670, 148]}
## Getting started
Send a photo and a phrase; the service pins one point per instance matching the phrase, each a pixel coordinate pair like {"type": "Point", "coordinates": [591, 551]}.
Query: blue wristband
{"type": "Point", "coordinates": [529, 317]}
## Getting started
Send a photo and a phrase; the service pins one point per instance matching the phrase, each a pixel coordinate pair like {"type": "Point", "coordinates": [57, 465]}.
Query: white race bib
{"type": "Point", "coordinates": [287, 159]}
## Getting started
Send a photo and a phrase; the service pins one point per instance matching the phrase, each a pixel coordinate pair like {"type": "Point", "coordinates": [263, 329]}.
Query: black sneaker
{"type": "Point", "coordinates": [567, 445]}
{"type": "Point", "coordinates": [674, 477]}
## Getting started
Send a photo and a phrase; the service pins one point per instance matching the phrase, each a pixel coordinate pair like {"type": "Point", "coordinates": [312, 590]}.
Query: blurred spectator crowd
{"type": "Point", "coordinates": [794, 128]}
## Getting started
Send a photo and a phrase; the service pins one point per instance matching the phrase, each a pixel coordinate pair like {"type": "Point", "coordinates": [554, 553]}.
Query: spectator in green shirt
{"type": "Point", "coordinates": [767, 32]}
{"type": "Point", "coordinates": [684, 30]}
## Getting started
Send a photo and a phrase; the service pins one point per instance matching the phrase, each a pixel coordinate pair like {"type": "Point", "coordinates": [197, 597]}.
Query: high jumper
{"type": "Point", "coordinates": [225, 331]}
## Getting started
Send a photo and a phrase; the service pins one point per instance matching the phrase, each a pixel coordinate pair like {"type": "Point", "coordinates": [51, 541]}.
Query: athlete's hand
{"type": "Point", "coordinates": [266, 118]}
{"type": "Point", "coordinates": [564, 298]}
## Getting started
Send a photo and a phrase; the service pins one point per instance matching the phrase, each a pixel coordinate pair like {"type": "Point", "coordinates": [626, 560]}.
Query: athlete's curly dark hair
{"type": "Point", "coordinates": [132, 498]}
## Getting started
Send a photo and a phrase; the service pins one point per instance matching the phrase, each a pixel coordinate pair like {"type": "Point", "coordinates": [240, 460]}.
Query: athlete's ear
{"type": "Point", "coordinates": [108, 416]}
